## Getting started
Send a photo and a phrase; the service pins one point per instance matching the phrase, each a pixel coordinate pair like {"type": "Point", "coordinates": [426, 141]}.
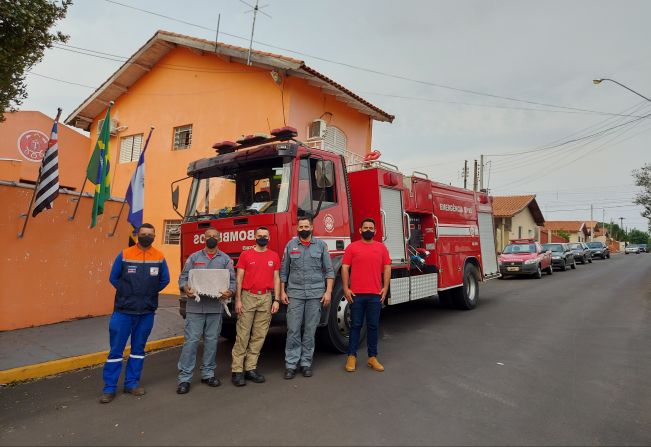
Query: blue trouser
{"type": "Point", "coordinates": [299, 348]}
{"type": "Point", "coordinates": [196, 325]}
{"type": "Point", "coordinates": [364, 306]}
{"type": "Point", "coordinates": [121, 327]}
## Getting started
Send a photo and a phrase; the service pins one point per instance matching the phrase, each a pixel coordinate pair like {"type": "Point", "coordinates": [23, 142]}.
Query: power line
{"type": "Point", "coordinates": [355, 67]}
{"type": "Point", "coordinates": [60, 80]}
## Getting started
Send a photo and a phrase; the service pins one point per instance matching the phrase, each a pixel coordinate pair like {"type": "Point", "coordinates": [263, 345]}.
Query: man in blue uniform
{"type": "Point", "coordinates": [139, 273]}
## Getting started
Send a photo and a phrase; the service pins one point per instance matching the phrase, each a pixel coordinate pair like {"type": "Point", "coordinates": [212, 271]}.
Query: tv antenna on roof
{"type": "Point", "coordinates": [255, 9]}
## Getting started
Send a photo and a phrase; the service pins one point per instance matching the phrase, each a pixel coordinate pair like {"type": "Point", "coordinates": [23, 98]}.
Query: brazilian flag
{"type": "Point", "coordinates": [98, 169]}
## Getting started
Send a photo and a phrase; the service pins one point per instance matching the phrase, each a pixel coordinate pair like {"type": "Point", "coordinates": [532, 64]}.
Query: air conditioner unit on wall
{"type": "Point", "coordinates": [112, 127]}
{"type": "Point", "coordinates": [317, 129]}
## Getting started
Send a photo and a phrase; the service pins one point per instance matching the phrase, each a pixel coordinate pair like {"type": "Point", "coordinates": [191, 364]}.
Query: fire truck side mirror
{"type": "Point", "coordinates": [325, 173]}
{"type": "Point", "coordinates": [175, 198]}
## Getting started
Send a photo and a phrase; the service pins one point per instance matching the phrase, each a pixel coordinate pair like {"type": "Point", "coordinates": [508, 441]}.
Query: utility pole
{"type": "Point", "coordinates": [475, 174]}
{"type": "Point", "coordinates": [465, 174]}
{"type": "Point", "coordinates": [481, 172]}
{"type": "Point", "coordinates": [621, 226]}
{"type": "Point", "coordinates": [591, 220]}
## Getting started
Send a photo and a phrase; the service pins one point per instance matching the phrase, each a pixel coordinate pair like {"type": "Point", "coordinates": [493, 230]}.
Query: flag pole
{"type": "Point", "coordinates": [38, 182]}
{"type": "Point", "coordinates": [83, 185]}
{"type": "Point", "coordinates": [117, 220]}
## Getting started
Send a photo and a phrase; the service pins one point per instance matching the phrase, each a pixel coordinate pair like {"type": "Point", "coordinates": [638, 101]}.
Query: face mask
{"type": "Point", "coordinates": [211, 242]}
{"type": "Point", "coordinates": [262, 241]}
{"type": "Point", "coordinates": [368, 235]}
{"type": "Point", "coordinates": [304, 234]}
{"type": "Point", "coordinates": [145, 241]}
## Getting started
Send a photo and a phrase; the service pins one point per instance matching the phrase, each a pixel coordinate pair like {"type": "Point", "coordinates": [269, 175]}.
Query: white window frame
{"type": "Point", "coordinates": [177, 145]}
{"type": "Point", "coordinates": [172, 232]}
{"type": "Point", "coordinates": [132, 153]}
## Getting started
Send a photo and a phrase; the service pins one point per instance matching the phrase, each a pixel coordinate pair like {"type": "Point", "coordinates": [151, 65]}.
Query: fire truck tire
{"type": "Point", "coordinates": [334, 336]}
{"type": "Point", "coordinates": [466, 296]}
{"type": "Point", "coordinates": [229, 331]}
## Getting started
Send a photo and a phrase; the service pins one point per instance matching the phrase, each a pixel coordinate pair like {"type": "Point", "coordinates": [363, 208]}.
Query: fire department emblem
{"type": "Point", "coordinates": [270, 263]}
{"type": "Point", "coordinates": [329, 223]}
{"type": "Point", "coordinates": [32, 145]}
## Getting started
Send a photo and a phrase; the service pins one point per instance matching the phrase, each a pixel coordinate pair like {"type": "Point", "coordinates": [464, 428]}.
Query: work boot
{"type": "Point", "coordinates": [307, 371]}
{"type": "Point", "coordinates": [253, 376]}
{"type": "Point", "coordinates": [138, 391]}
{"type": "Point", "coordinates": [373, 363]}
{"type": "Point", "coordinates": [290, 373]}
{"type": "Point", "coordinates": [183, 388]}
{"type": "Point", "coordinates": [213, 381]}
{"type": "Point", "coordinates": [106, 398]}
{"type": "Point", "coordinates": [238, 379]}
{"type": "Point", "coordinates": [351, 363]}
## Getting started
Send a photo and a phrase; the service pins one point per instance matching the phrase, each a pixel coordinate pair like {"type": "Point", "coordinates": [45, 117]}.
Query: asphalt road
{"type": "Point", "coordinates": [559, 361]}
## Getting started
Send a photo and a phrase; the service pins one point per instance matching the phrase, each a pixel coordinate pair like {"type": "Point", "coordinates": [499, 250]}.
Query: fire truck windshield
{"type": "Point", "coordinates": [261, 187]}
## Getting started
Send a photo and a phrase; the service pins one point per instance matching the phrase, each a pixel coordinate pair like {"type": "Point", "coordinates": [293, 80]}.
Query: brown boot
{"type": "Point", "coordinates": [351, 363]}
{"type": "Point", "coordinates": [373, 363]}
{"type": "Point", "coordinates": [139, 391]}
{"type": "Point", "coordinates": [106, 398]}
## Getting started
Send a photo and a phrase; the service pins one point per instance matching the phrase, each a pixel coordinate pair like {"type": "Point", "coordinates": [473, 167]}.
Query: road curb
{"type": "Point", "coordinates": [52, 367]}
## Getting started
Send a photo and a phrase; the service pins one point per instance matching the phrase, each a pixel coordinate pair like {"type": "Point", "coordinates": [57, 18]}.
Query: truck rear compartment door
{"type": "Point", "coordinates": [487, 242]}
{"type": "Point", "coordinates": [393, 224]}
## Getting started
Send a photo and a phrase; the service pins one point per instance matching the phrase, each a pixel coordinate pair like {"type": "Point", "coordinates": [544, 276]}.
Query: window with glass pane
{"type": "Point", "coordinates": [172, 229]}
{"type": "Point", "coordinates": [182, 137]}
{"type": "Point", "coordinates": [130, 148]}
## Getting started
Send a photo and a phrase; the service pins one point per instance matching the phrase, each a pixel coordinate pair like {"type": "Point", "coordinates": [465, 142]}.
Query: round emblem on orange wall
{"type": "Point", "coordinates": [32, 145]}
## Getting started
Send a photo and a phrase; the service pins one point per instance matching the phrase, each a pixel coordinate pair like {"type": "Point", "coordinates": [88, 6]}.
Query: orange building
{"type": "Point", "coordinates": [59, 269]}
{"type": "Point", "coordinates": [196, 93]}
{"type": "Point", "coordinates": [23, 139]}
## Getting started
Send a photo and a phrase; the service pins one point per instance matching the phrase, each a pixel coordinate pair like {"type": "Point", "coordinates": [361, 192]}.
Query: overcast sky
{"type": "Point", "coordinates": [536, 52]}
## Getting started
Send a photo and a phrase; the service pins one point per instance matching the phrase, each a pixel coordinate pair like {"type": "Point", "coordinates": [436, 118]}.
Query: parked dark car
{"type": "Point", "coordinates": [599, 250]}
{"type": "Point", "coordinates": [643, 248]}
{"type": "Point", "coordinates": [562, 255]}
{"type": "Point", "coordinates": [581, 252]}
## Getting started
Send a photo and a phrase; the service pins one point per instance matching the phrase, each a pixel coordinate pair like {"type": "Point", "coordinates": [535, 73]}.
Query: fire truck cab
{"type": "Point", "coordinates": [440, 238]}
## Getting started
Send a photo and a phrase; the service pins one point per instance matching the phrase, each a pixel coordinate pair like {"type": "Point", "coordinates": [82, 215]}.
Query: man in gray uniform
{"type": "Point", "coordinates": [306, 277]}
{"type": "Point", "coordinates": [205, 317]}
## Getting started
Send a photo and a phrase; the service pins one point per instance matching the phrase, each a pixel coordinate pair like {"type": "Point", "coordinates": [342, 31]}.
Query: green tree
{"type": "Point", "coordinates": [24, 36]}
{"type": "Point", "coordinates": [636, 236]}
{"type": "Point", "coordinates": [642, 178]}
{"type": "Point", "coordinates": [563, 233]}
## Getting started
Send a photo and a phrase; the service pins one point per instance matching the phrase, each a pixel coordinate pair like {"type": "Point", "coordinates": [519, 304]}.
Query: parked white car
{"type": "Point", "coordinates": [632, 248]}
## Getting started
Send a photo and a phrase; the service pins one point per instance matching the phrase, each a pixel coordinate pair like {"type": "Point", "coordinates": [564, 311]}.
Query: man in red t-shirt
{"type": "Point", "coordinates": [257, 275]}
{"type": "Point", "coordinates": [367, 265]}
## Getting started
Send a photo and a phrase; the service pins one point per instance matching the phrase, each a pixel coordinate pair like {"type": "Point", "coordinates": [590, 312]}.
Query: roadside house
{"type": "Point", "coordinates": [516, 217]}
{"type": "Point", "coordinates": [195, 93]}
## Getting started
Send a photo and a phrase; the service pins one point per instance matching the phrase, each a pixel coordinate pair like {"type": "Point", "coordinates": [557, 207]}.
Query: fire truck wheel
{"type": "Point", "coordinates": [334, 336]}
{"type": "Point", "coordinates": [467, 295]}
{"type": "Point", "coordinates": [229, 331]}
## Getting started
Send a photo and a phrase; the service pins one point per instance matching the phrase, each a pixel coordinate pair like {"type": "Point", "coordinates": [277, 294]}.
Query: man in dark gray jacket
{"type": "Point", "coordinates": [203, 317]}
{"type": "Point", "coordinates": [306, 277]}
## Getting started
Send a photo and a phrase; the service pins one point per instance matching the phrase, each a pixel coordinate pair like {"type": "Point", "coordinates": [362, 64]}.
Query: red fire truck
{"type": "Point", "coordinates": [440, 238]}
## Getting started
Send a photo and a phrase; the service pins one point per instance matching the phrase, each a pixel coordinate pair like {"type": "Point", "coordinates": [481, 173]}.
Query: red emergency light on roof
{"type": "Point", "coordinates": [279, 134]}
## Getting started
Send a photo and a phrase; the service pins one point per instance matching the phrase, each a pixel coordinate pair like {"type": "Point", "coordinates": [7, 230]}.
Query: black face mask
{"type": "Point", "coordinates": [262, 241]}
{"type": "Point", "coordinates": [211, 242]}
{"type": "Point", "coordinates": [304, 234]}
{"type": "Point", "coordinates": [145, 241]}
{"type": "Point", "coordinates": [368, 235]}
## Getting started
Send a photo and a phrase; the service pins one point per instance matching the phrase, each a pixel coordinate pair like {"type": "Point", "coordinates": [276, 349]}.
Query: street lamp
{"type": "Point", "coordinates": [599, 81]}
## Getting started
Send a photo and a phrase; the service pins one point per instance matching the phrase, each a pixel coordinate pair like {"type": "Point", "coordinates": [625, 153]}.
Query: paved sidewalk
{"type": "Point", "coordinates": [86, 338]}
